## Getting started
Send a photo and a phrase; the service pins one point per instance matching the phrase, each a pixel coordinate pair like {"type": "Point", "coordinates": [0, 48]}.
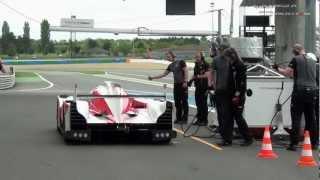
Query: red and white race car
{"type": "Point", "coordinates": [108, 110]}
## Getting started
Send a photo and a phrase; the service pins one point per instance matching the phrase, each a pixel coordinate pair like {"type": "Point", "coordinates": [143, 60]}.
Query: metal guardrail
{"type": "Point", "coordinates": [8, 80]}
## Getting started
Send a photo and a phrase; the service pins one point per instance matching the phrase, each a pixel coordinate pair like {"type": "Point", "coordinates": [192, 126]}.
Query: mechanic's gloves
{"type": "Point", "coordinates": [236, 101]}
{"type": "Point", "coordinates": [210, 88]}
{"type": "Point", "coordinates": [185, 85]}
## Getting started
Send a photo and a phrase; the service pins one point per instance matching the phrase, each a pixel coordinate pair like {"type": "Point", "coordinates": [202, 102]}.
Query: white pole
{"type": "Point", "coordinates": [231, 20]}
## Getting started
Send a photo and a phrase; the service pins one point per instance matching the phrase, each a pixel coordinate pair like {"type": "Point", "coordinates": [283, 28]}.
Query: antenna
{"type": "Point", "coordinates": [75, 92]}
{"type": "Point", "coordinates": [165, 91]}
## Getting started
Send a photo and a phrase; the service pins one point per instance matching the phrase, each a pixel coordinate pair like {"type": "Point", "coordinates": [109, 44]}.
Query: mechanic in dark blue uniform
{"type": "Point", "coordinates": [239, 70]}
{"type": "Point", "coordinates": [303, 71]}
{"type": "Point", "coordinates": [180, 89]}
{"type": "Point", "coordinates": [201, 87]}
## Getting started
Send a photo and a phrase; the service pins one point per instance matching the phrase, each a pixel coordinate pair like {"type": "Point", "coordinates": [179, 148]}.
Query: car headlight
{"type": "Point", "coordinates": [162, 135]}
{"type": "Point", "coordinates": [157, 135]}
{"type": "Point", "coordinates": [167, 134]}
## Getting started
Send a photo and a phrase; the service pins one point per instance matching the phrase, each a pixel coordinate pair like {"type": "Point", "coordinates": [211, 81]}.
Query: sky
{"type": "Point", "coordinates": [114, 14]}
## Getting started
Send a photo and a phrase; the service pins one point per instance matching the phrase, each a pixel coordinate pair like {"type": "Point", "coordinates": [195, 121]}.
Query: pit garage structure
{"type": "Point", "coordinates": [295, 22]}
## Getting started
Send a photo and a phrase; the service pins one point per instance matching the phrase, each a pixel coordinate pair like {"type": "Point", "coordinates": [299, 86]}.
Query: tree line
{"type": "Point", "coordinates": [12, 45]}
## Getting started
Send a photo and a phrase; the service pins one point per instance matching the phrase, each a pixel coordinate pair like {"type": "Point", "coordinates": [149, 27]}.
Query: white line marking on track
{"type": "Point", "coordinates": [39, 89]}
{"type": "Point", "coordinates": [141, 81]}
{"type": "Point", "coordinates": [200, 140]}
{"type": "Point", "coordinates": [137, 75]}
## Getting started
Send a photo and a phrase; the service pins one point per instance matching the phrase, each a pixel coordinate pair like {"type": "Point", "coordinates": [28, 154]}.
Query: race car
{"type": "Point", "coordinates": [109, 111]}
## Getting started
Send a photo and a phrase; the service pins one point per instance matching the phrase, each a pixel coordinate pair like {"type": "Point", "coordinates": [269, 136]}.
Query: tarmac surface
{"type": "Point", "coordinates": [32, 149]}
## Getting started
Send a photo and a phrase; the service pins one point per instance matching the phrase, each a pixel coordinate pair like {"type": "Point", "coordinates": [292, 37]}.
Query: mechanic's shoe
{"type": "Point", "coordinates": [246, 143]}
{"type": "Point", "coordinates": [225, 143]}
{"type": "Point", "coordinates": [292, 147]}
{"type": "Point", "coordinates": [200, 123]}
{"type": "Point", "coordinates": [315, 147]}
{"type": "Point", "coordinates": [177, 121]}
{"type": "Point", "coordinates": [195, 123]}
{"type": "Point", "coordinates": [184, 122]}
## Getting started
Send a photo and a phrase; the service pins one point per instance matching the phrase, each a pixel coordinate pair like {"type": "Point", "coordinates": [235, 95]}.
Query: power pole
{"type": "Point", "coordinates": [219, 21]}
{"type": "Point", "coordinates": [319, 13]}
{"type": "Point", "coordinates": [212, 18]}
{"type": "Point", "coordinates": [231, 20]}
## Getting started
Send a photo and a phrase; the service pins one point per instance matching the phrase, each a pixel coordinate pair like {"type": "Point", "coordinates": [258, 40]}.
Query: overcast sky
{"type": "Point", "coordinates": [113, 14]}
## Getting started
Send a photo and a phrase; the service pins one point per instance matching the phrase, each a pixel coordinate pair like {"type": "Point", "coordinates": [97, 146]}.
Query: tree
{"type": "Point", "coordinates": [5, 37]}
{"type": "Point", "coordinates": [92, 43]}
{"type": "Point", "coordinates": [26, 42]}
{"type": "Point", "coordinates": [20, 45]}
{"type": "Point", "coordinates": [107, 45]}
{"type": "Point", "coordinates": [124, 47]}
{"type": "Point", "coordinates": [12, 48]}
{"type": "Point", "coordinates": [45, 37]}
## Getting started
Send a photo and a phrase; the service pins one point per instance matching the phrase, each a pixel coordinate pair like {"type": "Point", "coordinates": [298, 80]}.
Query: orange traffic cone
{"type": "Point", "coordinates": [266, 149]}
{"type": "Point", "coordinates": [306, 159]}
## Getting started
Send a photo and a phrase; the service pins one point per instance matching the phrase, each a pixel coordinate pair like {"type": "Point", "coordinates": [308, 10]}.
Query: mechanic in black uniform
{"type": "Point", "coordinates": [221, 79]}
{"type": "Point", "coordinates": [239, 70]}
{"type": "Point", "coordinates": [303, 71]}
{"type": "Point", "coordinates": [180, 89]}
{"type": "Point", "coordinates": [201, 87]}
{"type": "Point", "coordinates": [317, 96]}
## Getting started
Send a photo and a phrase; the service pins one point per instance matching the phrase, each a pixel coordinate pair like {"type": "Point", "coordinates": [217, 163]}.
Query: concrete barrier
{"type": "Point", "coordinates": [156, 61]}
{"type": "Point", "coordinates": [8, 80]}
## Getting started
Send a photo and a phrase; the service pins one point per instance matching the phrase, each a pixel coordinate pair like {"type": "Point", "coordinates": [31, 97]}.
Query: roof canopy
{"type": "Point", "coordinates": [248, 3]}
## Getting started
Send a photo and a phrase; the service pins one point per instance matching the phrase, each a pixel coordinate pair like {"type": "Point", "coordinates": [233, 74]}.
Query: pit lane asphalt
{"type": "Point", "coordinates": [32, 149]}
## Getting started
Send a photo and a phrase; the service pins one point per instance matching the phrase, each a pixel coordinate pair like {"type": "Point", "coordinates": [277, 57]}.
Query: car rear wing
{"type": "Point", "coordinates": [89, 96]}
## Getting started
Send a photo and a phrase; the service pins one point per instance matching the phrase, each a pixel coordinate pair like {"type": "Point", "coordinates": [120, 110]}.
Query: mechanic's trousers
{"type": "Point", "coordinates": [201, 97]}
{"type": "Point", "coordinates": [241, 122]}
{"type": "Point", "coordinates": [181, 102]}
{"type": "Point", "coordinates": [225, 118]}
{"type": "Point", "coordinates": [303, 101]}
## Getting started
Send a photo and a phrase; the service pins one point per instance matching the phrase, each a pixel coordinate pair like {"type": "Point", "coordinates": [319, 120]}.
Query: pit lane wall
{"type": "Point", "coordinates": [8, 80]}
{"type": "Point", "coordinates": [156, 61]}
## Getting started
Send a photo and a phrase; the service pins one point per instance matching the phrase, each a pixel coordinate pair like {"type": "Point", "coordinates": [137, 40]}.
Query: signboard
{"type": "Point", "coordinates": [180, 7]}
{"type": "Point", "coordinates": [77, 23]}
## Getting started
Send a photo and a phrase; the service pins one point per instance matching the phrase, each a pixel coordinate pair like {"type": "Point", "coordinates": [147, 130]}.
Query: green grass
{"type": "Point", "coordinates": [25, 74]}
{"type": "Point", "coordinates": [27, 77]}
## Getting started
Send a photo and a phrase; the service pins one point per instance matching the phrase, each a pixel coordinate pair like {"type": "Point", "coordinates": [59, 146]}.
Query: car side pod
{"type": "Point", "coordinates": [266, 149]}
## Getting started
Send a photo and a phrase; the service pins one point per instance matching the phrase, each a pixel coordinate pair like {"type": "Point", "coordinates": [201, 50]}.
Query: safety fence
{"type": "Point", "coordinates": [8, 80]}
